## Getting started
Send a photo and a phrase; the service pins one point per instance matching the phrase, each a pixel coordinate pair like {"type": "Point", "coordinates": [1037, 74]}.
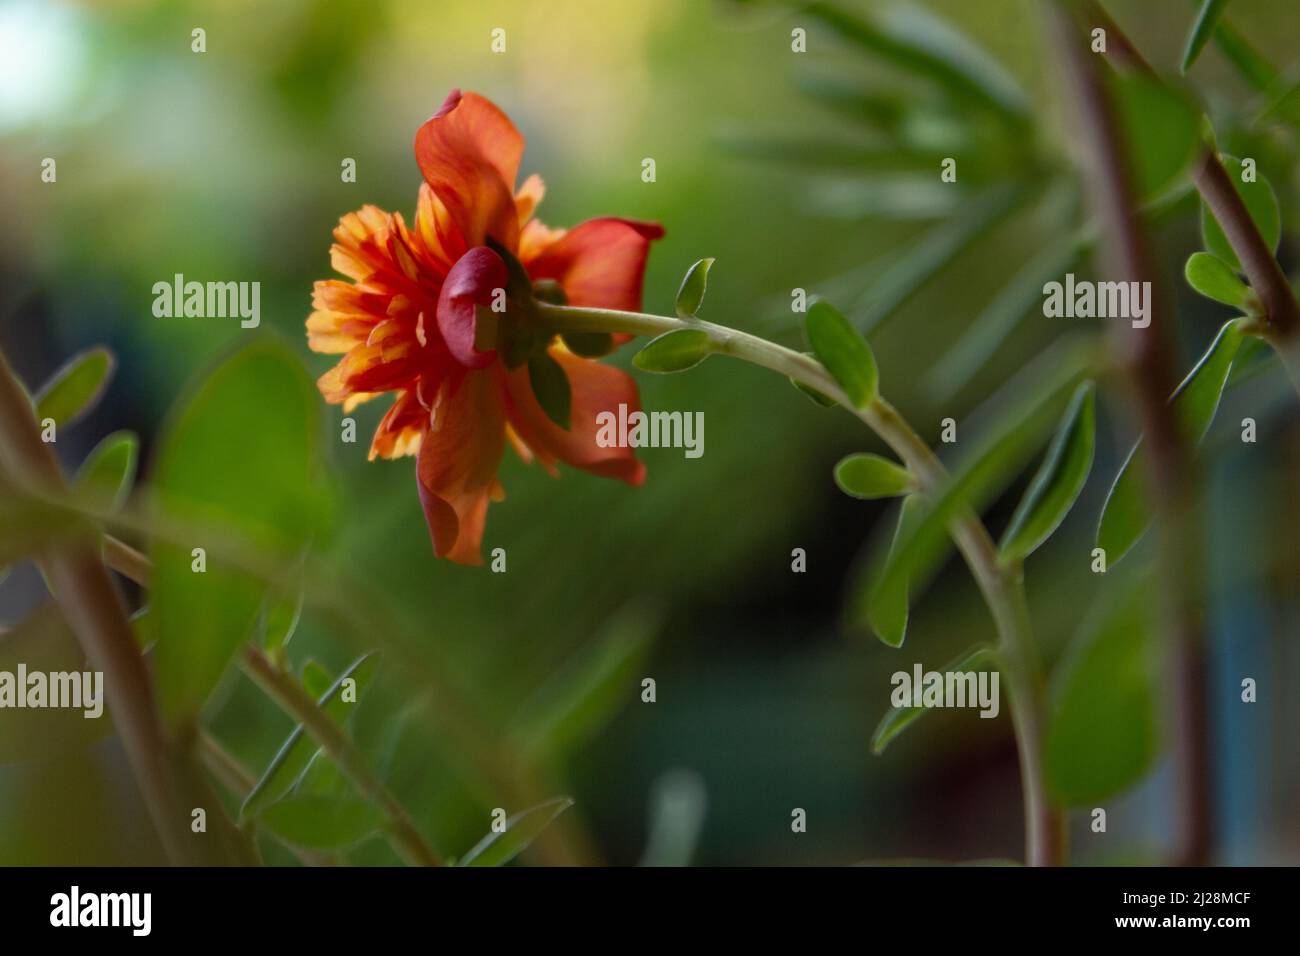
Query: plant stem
{"type": "Point", "coordinates": [1002, 587]}
{"type": "Point", "coordinates": [295, 702]}
{"type": "Point", "coordinates": [96, 614]}
{"type": "Point", "coordinates": [1147, 358]}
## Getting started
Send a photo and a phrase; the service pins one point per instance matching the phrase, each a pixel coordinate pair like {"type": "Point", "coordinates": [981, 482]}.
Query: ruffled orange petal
{"type": "Point", "coordinates": [401, 429]}
{"type": "Point", "coordinates": [458, 462]}
{"type": "Point", "coordinates": [600, 263]}
{"type": "Point", "coordinates": [528, 197]}
{"type": "Point", "coordinates": [595, 388]}
{"type": "Point", "coordinates": [469, 153]}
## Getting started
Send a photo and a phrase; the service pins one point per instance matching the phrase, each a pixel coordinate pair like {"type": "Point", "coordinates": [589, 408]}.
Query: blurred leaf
{"type": "Point", "coordinates": [316, 680]}
{"type": "Point", "coordinates": [899, 719]}
{"type": "Point", "coordinates": [498, 849]}
{"type": "Point", "coordinates": [871, 476]}
{"type": "Point", "coordinates": [578, 702]}
{"type": "Point", "coordinates": [280, 616]}
{"type": "Point", "coordinates": [551, 388]}
{"type": "Point", "coordinates": [1214, 279]}
{"type": "Point", "coordinates": [76, 387]}
{"type": "Point", "coordinates": [1022, 294]}
{"type": "Point", "coordinates": [920, 43]}
{"type": "Point", "coordinates": [915, 265]}
{"type": "Point", "coordinates": [1101, 729]}
{"type": "Point", "coordinates": [1261, 203]}
{"type": "Point", "coordinates": [298, 750]}
{"type": "Point", "coordinates": [849, 97]}
{"type": "Point", "coordinates": [674, 351]}
{"type": "Point", "coordinates": [322, 822]}
{"type": "Point", "coordinates": [321, 777]}
{"type": "Point", "coordinates": [899, 197]}
{"type": "Point", "coordinates": [1159, 126]}
{"type": "Point", "coordinates": [844, 352]}
{"type": "Point", "coordinates": [677, 805]}
{"type": "Point", "coordinates": [1202, 30]}
{"type": "Point", "coordinates": [691, 293]}
{"type": "Point", "coordinates": [239, 454]}
{"type": "Point", "coordinates": [1126, 514]}
{"type": "Point", "coordinates": [107, 474]}
{"type": "Point", "coordinates": [1059, 479]}
{"type": "Point", "coordinates": [1238, 51]}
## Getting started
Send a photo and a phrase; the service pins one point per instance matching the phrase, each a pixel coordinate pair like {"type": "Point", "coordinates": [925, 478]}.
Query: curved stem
{"type": "Point", "coordinates": [1001, 586]}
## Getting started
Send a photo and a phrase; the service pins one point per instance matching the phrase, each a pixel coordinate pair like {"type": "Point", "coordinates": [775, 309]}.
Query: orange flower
{"type": "Point", "coordinates": [412, 321]}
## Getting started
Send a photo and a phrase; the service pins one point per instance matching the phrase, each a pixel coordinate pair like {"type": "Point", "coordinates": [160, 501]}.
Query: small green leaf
{"type": "Point", "coordinates": [1261, 203]}
{"type": "Point", "coordinates": [899, 719]}
{"type": "Point", "coordinates": [674, 351]}
{"type": "Point", "coordinates": [298, 749]}
{"type": "Point", "coordinates": [871, 476]}
{"type": "Point", "coordinates": [1250, 63]}
{"type": "Point", "coordinates": [588, 344]}
{"type": "Point", "coordinates": [1126, 515]}
{"type": "Point", "coordinates": [108, 472]}
{"type": "Point", "coordinates": [1101, 730]}
{"type": "Point", "coordinates": [551, 388]}
{"type": "Point", "coordinates": [322, 822]}
{"type": "Point", "coordinates": [1202, 30]}
{"type": "Point", "coordinates": [1159, 126]}
{"type": "Point", "coordinates": [691, 293]}
{"type": "Point", "coordinates": [316, 680]}
{"type": "Point", "coordinates": [843, 352]}
{"type": "Point", "coordinates": [888, 606]}
{"type": "Point", "coordinates": [1213, 278]}
{"type": "Point", "coordinates": [1058, 482]}
{"type": "Point", "coordinates": [498, 849]}
{"type": "Point", "coordinates": [76, 387]}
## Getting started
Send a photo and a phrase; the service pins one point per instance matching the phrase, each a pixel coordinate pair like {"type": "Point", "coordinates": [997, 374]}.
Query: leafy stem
{"type": "Point", "coordinates": [1000, 584]}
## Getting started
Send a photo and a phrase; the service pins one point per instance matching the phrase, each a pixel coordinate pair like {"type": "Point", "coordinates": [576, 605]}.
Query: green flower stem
{"type": "Point", "coordinates": [1001, 585]}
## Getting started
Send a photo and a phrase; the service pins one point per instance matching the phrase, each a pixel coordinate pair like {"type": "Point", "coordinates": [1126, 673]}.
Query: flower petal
{"type": "Point", "coordinates": [595, 388]}
{"type": "Point", "coordinates": [470, 283]}
{"type": "Point", "coordinates": [600, 263]}
{"type": "Point", "coordinates": [469, 154]}
{"type": "Point", "coordinates": [457, 465]}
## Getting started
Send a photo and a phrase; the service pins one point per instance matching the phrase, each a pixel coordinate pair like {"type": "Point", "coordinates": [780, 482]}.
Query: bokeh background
{"type": "Point", "coordinates": [226, 166]}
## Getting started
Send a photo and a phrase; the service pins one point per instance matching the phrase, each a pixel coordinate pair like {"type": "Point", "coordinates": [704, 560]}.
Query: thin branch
{"type": "Point", "coordinates": [298, 704]}
{"type": "Point", "coordinates": [1000, 585]}
{"type": "Point", "coordinates": [95, 612]}
{"type": "Point", "coordinates": [1147, 358]}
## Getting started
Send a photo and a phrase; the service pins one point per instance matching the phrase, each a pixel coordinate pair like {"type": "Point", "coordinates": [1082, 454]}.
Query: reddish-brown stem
{"type": "Point", "coordinates": [1146, 356]}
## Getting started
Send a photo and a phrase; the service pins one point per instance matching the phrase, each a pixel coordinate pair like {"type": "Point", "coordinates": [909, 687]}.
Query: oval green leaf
{"type": "Point", "coordinates": [1126, 515]}
{"type": "Point", "coordinates": [674, 351]}
{"type": "Point", "coordinates": [871, 476]}
{"type": "Point", "coordinates": [1101, 729]}
{"type": "Point", "coordinates": [238, 462]}
{"type": "Point", "coordinates": [694, 284]}
{"type": "Point", "coordinates": [1213, 278]}
{"type": "Point", "coordinates": [1059, 479]}
{"type": "Point", "coordinates": [843, 351]}
{"type": "Point", "coordinates": [1261, 203]}
{"type": "Point", "coordinates": [76, 387]}
{"type": "Point", "coordinates": [107, 474]}
{"type": "Point", "coordinates": [498, 849]}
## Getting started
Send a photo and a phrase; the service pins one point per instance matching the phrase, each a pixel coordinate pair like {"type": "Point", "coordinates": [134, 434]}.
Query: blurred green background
{"type": "Point", "coordinates": [225, 166]}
